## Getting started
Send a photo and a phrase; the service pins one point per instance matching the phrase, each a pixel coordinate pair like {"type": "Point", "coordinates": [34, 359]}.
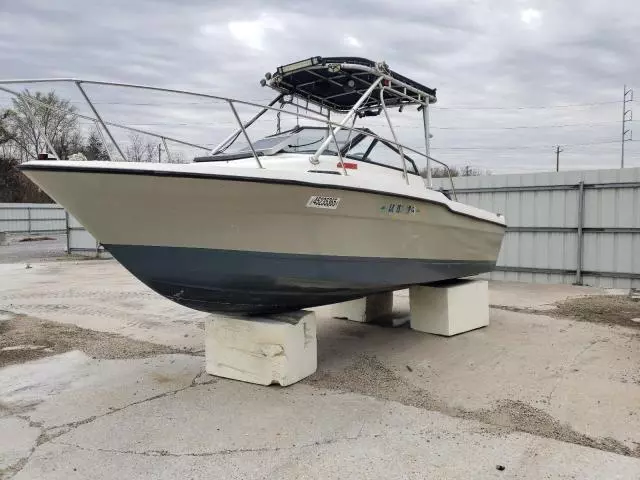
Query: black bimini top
{"type": "Point", "coordinates": [330, 83]}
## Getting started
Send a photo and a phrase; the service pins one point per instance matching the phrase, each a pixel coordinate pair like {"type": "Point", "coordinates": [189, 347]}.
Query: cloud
{"type": "Point", "coordinates": [253, 33]}
{"type": "Point", "coordinates": [487, 56]}
{"type": "Point", "coordinates": [531, 16]}
{"type": "Point", "coordinates": [351, 41]}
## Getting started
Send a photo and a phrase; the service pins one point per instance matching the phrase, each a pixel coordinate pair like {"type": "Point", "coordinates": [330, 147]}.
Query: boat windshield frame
{"type": "Point", "coordinates": [353, 141]}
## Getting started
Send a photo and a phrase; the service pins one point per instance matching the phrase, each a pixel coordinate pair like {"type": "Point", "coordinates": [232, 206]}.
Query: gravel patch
{"type": "Point", "coordinates": [368, 376]}
{"type": "Point", "coordinates": [23, 249]}
{"type": "Point", "coordinates": [522, 417]}
{"type": "Point", "coordinates": [620, 310]}
{"type": "Point", "coordinates": [608, 309]}
{"type": "Point", "coordinates": [24, 338]}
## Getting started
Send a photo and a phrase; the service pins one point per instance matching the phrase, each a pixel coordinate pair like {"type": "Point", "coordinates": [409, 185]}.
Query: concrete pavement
{"type": "Point", "coordinates": [544, 397]}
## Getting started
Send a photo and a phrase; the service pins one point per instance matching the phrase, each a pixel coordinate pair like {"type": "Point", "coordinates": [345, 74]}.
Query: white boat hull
{"type": "Point", "coordinates": [251, 244]}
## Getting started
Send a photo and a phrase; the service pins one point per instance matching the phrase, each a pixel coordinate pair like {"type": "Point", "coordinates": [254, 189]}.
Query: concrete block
{"type": "Point", "coordinates": [376, 307]}
{"type": "Point", "coordinates": [272, 349]}
{"type": "Point", "coordinates": [449, 308]}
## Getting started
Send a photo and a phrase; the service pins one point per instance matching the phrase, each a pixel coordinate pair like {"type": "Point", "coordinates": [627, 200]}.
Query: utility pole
{"type": "Point", "coordinates": [558, 150]}
{"type": "Point", "coordinates": [627, 116]}
{"type": "Point", "coordinates": [159, 153]}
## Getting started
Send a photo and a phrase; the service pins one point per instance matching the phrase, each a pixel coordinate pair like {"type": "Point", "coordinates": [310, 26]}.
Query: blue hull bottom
{"type": "Point", "coordinates": [229, 281]}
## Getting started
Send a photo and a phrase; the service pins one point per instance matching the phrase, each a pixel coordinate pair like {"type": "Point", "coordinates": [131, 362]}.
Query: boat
{"type": "Point", "coordinates": [312, 215]}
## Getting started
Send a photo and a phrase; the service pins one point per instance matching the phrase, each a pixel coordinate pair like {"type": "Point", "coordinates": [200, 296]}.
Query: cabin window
{"type": "Point", "coordinates": [308, 140]}
{"type": "Point", "coordinates": [376, 152]}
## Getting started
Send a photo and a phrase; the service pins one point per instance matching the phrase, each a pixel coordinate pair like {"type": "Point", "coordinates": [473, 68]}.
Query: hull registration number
{"type": "Point", "coordinates": [319, 201]}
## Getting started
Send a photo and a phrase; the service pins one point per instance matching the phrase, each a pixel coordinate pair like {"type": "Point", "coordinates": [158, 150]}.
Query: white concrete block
{"type": "Point", "coordinates": [450, 308]}
{"type": "Point", "coordinates": [273, 349]}
{"type": "Point", "coordinates": [366, 309]}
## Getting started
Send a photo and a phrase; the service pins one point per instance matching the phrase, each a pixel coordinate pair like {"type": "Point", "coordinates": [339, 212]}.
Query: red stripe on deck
{"type": "Point", "coordinates": [349, 165]}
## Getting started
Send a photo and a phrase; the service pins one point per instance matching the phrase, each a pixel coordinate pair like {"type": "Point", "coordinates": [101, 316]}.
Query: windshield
{"type": "Point", "coordinates": [374, 151]}
{"type": "Point", "coordinates": [309, 140]}
{"type": "Point", "coordinates": [303, 140]}
{"type": "Point", "coordinates": [262, 145]}
{"type": "Point", "coordinates": [355, 145]}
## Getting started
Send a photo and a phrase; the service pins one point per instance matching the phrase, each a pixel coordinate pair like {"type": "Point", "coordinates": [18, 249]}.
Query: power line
{"type": "Point", "coordinates": [454, 107]}
{"type": "Point", "coordinates": [521, 147]}
{"type": "Point", "coordinates": [518, 127]}
{"type": "Point", "coordinates": [529, 107]}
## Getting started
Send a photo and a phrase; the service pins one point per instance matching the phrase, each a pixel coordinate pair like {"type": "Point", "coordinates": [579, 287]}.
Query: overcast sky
{"type": "Point", "coordinates": [487, 59]}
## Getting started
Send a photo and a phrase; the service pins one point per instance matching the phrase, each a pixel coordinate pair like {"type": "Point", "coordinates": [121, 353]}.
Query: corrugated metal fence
{"type": "Point", "coordinates": [569, 227]}
{"type": "Point", "coordinates": [32, 218]}
{"type": "Point", "coordinates": [42, 218]}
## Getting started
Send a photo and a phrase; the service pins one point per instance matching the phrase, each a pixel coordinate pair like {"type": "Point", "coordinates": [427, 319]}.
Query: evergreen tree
{"type": "Point", "coordinates": [95, 149]}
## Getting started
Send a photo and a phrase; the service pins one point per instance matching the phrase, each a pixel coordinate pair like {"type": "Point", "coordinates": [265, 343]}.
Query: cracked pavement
{"type": "Point", "coordinates": [544, 397]}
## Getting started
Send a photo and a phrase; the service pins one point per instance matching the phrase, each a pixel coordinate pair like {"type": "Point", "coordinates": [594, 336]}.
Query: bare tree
{"type": "Point", "coordinates": [141, 150]}
{"type": "Point", "coordinates": [14, 187]}
{"type": "Point", "coordinates": [177, 157]}
{"type": "Point", "coordinates": [28, 122]}
{"type": "Point", "coordinates": [150, 152]}
{"type": "Point", "coordinates": [171, 156]}
{"type": "Point", "coordinates": [469, 171]}
{"type": "Point", "coordinates": [136, 150]}
{"type": "Point", "coordinates": [466, 171]}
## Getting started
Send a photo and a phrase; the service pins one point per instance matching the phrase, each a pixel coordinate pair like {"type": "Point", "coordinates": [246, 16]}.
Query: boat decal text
{"type": "Point", "coordinates": [395, 208]}
{"type": "Point", "coordinates": [319, 201]}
